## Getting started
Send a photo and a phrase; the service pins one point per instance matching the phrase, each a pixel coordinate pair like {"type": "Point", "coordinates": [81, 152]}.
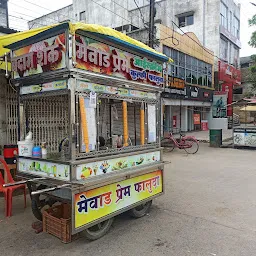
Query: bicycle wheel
{"type": "Point", "coordinates": [167, 144]}
{"type": "Point", "coordinates": [193, 145]}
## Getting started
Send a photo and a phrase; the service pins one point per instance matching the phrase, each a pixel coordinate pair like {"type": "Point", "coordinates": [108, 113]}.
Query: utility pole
{"type": "Point", "coordinates": [151, 23]}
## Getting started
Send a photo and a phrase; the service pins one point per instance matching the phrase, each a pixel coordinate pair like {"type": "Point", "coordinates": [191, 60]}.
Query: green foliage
{"type": "Point", "coordinates": [252, 42]}
{"type": "Point", "coordinates": [252, 22]}
{"type": "Point", "coordinates": [248, 94]}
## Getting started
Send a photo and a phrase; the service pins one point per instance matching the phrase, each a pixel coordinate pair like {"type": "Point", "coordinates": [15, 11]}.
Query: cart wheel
{"type": "Point", "coordinates": [141, 210]}
{"type": "Point", "coordinates": [40, 202]}
{"type": "Point", "coordinates": [97, 231]}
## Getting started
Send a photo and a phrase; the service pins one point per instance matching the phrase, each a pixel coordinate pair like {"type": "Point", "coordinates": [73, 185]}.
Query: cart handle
{"type": "Point", "coordinates": [20, 182]}
{"type": "Point", "coordinates": [49, 189]}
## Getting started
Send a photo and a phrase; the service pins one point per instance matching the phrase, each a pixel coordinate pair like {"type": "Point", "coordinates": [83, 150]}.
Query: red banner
{"type": "Point", "coordinates": [229, 74]}
{"type": "Point", "coordinates": [197, 119]}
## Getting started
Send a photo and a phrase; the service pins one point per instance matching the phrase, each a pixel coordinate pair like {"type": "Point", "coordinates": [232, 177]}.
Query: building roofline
{"type": "Point", "coordinates": [7, 30]}
{"type": "Point", "coordinates": [50, 13]}
{"type": "Point", "coordinates": [146, 5]}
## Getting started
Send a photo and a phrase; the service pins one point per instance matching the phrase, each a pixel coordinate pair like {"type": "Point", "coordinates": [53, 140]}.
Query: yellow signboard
{"type": "Point", "coordinates": [97, 203]}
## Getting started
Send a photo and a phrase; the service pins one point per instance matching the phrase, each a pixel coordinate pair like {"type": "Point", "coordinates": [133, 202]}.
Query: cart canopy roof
{"type": "Point", "coordinates": [248, 108]}
{"type": "Point", "coordinates": [7, 42]}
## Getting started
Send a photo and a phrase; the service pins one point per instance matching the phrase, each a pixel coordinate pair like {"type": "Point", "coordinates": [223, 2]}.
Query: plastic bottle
{"type": "Point", "coordinates": [44, 150]}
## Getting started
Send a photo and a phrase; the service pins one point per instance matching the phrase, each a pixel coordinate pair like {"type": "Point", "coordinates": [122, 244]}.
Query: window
{"type": "Point", "coordinates": [182, 59]}
{"type": "Point", "coordinates": [236, 27]}
{"type": "Point", "coordinates": [223, 15]}
{"type": "Point", "coordinates": [82, 16]}
{"type": "Point", "coordinates": [186, 20]}
{"type": "Point", "coordinates": [190, 20]}
{"type": "Point", "coordinates": [200, 72]}
{"type": "Point", "coordinates": [182, 21]}
{"type": "Point", "coordinates": [167, 51]}
{"type": "Point", "coordinates": [192, 70]}
{"type": "Point", "coordinates": [209, 75]}
{"type": "Point", "coordinates": [194, 64]}
{"type": "Point", "coordinates": [230, 53]}
{"type": "Point", "coordinates": [230, 21]}
{"type": "Point", "coordinates": [188, 62]}
{"type": "Point", "coordinates": [223, 49]}
{"type": "Point", "coordinates": [182, 73]}
{"type": "Point", "coordinates": [188, 76]}
{"type": "Point", "coordinates": [236, 56]}
{"type": "Point", "coordinates": [175, 56]}
{"type": "Point", "coordinates": [245, 65]}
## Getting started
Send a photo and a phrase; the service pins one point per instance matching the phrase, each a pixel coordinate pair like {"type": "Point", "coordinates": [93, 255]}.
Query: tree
{"type": "Point", "coordinates": [252, 42]}
{"type": "Point", "coordinates": [252, 22]}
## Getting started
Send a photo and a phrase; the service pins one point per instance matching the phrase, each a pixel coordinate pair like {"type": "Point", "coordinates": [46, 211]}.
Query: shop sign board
{"type": "Point", "coordinates": [196, 118]}
{"type": "Point", "coordinates": [86, 86]}
{"type": "Point", "coordinates": [174, 121]}
{"type": "Point", "coordinates": [245, 137]}
{"type": "Point", "coordinates": [46, 87]}
{"type": "Point", "coordinates": [99, 57]}
{"type": "Point", "coordinates": [84, 171]}
{"type": "Point", "coordinates": [174, 82]}
{"type": "Point", "coordinates": [40, 57]}
{"type": "Point", "coordinates": [99, 202]}
{"type": "Point", "coordinates": [189, 93]}
{"type": "Point", "coordinates": [219, 106]}
{"type": "Point", "coordinates": [204, 125]}
{"type": "Point", "coordinates": [229, 74]}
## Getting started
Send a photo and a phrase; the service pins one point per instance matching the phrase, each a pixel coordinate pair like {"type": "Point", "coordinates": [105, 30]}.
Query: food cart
{"type": "Point", "coordinates": [245, 134]}
{"type": "Point", "coordinates": [92, 95]}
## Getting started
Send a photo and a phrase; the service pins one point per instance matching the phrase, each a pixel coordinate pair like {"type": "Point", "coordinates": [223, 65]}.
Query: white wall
{"type": "Point", "coordinates": [63, 14]}
{"type": "Point", "coordinates": [217, 123]}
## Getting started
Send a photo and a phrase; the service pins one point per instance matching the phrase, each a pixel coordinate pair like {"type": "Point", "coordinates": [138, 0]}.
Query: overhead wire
{"type": "Point", "coordinates": [184, 33]}
{"type": "Point", "coordinates": [35, 19]}
{"type": "Point", "coordinates": [141, 14]}
{"type": "Point", "coordinates": [168, 35]}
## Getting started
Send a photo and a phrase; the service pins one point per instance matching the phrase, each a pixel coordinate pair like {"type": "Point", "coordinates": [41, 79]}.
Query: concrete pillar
{"type": "Point", "coordinates": [184, 119]}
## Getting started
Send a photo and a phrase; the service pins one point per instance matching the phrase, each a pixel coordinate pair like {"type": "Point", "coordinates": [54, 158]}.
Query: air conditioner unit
{"type": "Point", "coordinates": [182, 24]}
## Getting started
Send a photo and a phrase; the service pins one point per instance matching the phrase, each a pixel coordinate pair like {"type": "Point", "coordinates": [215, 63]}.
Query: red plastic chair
{"type": "Point", "coordinates": [5, 192]}
{"type": "Point", "coordinates": [11, 189]}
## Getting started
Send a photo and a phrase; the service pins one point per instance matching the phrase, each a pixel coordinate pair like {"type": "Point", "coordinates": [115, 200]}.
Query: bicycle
{"type": "Point", "coordinates": [189, 143]}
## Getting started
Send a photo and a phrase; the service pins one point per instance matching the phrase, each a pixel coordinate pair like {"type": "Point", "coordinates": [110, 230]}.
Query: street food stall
{"type": "Point", "coordinates": [89, 123]}
{"type": "Point", "coordinates": [245, 134]}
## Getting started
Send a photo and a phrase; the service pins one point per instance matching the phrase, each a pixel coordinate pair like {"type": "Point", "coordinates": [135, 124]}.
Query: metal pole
{"type": "Point", "coordinates": [151, 23]}
{"type": "Point", "coordinates": [180, 115]}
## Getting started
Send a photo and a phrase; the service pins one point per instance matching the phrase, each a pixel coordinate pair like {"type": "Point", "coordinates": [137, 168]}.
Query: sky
{"type": "Point", "coordinates": [21, 11]}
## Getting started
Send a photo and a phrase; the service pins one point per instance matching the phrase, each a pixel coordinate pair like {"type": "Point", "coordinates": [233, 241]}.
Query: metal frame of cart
{"type": "Point", "coordinates": [68, 83]}
{"type": "Point", "coordinates": [245, 134]}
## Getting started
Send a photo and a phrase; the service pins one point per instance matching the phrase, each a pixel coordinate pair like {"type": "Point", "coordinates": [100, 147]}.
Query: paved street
{"type": "Point", "coordinates": [204, 135]}
{"type": "Point", "coordinates": [208, 209]}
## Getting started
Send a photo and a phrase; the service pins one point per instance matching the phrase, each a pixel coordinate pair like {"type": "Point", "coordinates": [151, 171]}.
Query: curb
{"type": "Point", "coordinates": [208, 141]}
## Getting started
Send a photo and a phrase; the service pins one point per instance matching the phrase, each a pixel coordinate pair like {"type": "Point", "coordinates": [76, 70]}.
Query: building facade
{"type": "Point", "coordinates": [4, 22]}
{"type": "Point", "coordinates": [216, 23]}
{"type": "Point", "coordinates": [187, 99]}
{"type": "Point", "coordinates": [245, 89]}
{"type": "Point", "coordinates": [8, 100]}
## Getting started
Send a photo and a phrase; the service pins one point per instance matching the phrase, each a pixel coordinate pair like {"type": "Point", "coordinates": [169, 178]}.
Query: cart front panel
{"type": "Point", "coordinates": [93, 206]}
